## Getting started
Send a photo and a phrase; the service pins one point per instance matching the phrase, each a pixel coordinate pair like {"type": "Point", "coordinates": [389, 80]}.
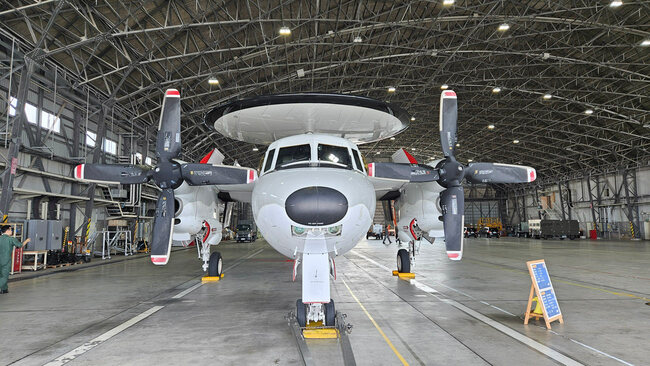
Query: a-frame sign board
{"type": "Point", "coordinates": [545, 294]}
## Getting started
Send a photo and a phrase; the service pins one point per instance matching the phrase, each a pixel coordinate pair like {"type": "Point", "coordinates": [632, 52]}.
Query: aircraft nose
{"type": "Point", "coordinates": [316, 206]}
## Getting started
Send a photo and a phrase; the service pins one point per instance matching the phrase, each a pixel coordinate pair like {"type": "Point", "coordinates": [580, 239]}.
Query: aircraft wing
{"type": "Point", "coordinates": [387, 189]}
{"type": "Point", "coordinates": [388, 178]}
{"type": "Point", "coordinates": [236, 192]}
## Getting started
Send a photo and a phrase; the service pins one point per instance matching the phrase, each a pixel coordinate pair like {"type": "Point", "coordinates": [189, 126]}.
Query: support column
{"type": "Point", "coordinates": [16, 132]}
{"type": "Point", "coordinates": [97, 152]}
{"type": "Point", "coordinates": [631, 202]}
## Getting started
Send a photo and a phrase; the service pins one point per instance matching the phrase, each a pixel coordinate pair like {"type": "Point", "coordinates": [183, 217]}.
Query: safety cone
{"type": "Point", "coordinates": [538, 306]}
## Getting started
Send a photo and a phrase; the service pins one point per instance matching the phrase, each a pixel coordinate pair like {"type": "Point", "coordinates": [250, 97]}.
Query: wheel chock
{"type": "Point", "coordinates": [206, 279]}
{"type": "Point", "coordinates": [406, 275]}
{"type": "Point", "coordinates": [321, 333]}
{"type": "Point", "coordinates": [395, 273]}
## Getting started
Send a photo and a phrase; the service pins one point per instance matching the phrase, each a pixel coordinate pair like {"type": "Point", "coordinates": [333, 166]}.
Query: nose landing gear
{"type": "Point", "coordinates": [306, 314]}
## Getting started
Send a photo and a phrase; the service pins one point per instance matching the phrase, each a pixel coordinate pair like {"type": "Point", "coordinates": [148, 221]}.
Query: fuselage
{"type": "Point", "coordinates": [313, 186]}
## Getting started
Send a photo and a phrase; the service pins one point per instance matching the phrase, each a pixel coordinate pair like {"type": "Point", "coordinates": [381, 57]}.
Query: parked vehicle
{"type": "Point", "coordinates": [488, 232]}
{"type": "Point", "coordinates": [376, 231]}
{"type": "Point", "coordinates": [470, 232]}
{"type": "Point", "coordinates": [246, 232]}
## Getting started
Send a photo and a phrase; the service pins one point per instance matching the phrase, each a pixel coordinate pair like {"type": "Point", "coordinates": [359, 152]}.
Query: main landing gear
{"type": "Point", "coordinates": [212, 262]}
{"type": "Point", "coordinates": [215, 265]}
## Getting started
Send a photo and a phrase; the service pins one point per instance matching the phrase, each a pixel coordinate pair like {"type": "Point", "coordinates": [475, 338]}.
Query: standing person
{"type": "Point", "coordinates": [386, 235]}
{"type": "Point", "coordinates": [7, 243]}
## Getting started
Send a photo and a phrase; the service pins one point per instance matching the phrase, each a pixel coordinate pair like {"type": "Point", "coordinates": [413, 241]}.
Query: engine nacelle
{"type": "Point", "coordinates": [196, 209]}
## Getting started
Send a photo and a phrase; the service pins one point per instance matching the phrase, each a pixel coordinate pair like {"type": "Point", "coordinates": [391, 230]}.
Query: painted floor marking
{"type": "Point", "coordinates": [449, 301]}
{"type": "Point", "coordinates": [64, 359]}
{"type": "Point", "coordinates": [390, 344]}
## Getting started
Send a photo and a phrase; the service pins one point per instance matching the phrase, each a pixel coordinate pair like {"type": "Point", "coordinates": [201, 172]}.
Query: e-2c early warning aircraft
{"type": "Point", "coordinates": [314, 198]}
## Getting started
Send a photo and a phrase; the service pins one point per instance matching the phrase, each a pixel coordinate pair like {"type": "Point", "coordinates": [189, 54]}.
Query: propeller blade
{"type": "Point", "coordinates": [448, 115]}
{"type": "Point", "coordinates": [163, 228]}
{"type": "Point", "coordinates": [413, 173]}
{"type": "Point", "coordinates": [499, 173]}
{"type": "Point", "coordinates": [112, 173]}
{"type": "Point", "coordinates": [208, 174]}
{"type": "Point", "coordinates": [452, 202]}
{"type": "Point", "coordinates": [168, 143]}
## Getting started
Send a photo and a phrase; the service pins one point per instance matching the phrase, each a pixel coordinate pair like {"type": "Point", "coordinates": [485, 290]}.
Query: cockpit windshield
{"type": "Point", "coordinates": [293, 155]}
{"type": "Point", "coordinates": [334, 155]}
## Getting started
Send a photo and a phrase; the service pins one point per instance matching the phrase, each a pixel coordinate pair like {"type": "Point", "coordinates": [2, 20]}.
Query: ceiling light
{"type": "Point", "coordinates": [645, 42]}
{"type": "Point", "coordinates": [447, 2]}
{"type": "Point", "coordinates": [589, 111]}
{"type": "Point", "coordinates": [391, 89]}
{"type": "Point", "coordinates": [444, 86]}
{"type": "Point", "coordinates": [496, 90]}
{"type": "Point", "coordinates": [285, 31]}
{"type": "Point", "coordinates": [504, 27]}
{"type": "Point", "coordinates": [213, 81]}
{"type": "Point", "coordinates": [357, 39]}
{"type": "Point", "coordinates": [490, 127]}
{"type": "Point", "coordinates": [378, 152]}
{"type": "Point", "coordinates": [413, 149]}
{"type": "Point", "coordinates": [547, 96]}
{"type": "Point", "coordinates": [469, 160]}
{"type": "Point", "coordinates": [515, 141]}
{"type": "Point", "coordinates": [615, 4]}
{"type": "Point", "coordinates": [412, 118]}
{"type": "Point", "coordinates": [457, 145]}
{"type": "Point", "coordinates": [392, 138]}
{"type": "Point", "coordinates": [256, 149]}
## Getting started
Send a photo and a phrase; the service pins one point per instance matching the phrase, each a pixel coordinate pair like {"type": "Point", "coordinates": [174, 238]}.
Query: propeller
{"type": "Point", "coordinates": [168, 175]}
{"type": "Point", "coordinates": [451, 174]}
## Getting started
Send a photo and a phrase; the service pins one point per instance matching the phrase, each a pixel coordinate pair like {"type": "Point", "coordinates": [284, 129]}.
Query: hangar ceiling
{"type": "Point", "coordinates": [587, 56]}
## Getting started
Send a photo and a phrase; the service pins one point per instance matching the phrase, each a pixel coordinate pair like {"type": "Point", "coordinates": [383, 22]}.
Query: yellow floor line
{"type": "Point", "coordinates": [563, 281]}
{"type": "Point", "coordinates": [390, 344]}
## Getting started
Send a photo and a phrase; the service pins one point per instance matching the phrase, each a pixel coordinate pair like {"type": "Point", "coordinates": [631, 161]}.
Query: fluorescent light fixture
{"type": "Point", "coordinates": [391, 89]}
{"type": "Point", "coordinates": [213, 81]}
{"type": "Point", "coordinates": [589, 111]}
{"type": "Point", "coordinates": [547, 96]}
{"type": "Point", "coordinates": [378, 152]}
{"type": "Point", "coordinates": [285, 31]}
{"type": "Point", "coordinates": [503, 27]}
{"type": "Point", "coordinates": [496, 90]}
{"type": "Point", "coordinates": [645, 42]}
{"type": "Point", "coordinates": [300, 73]}
{"type": "Point", "coordinates": [615, 4]}
{"type": "Point", "coordinates": [357, 39]}
{"type": "Point", "coordinates": [490, 127]}
{"type": "Point", "coordinates": [515, 141]}
{"type": "Point", "coordinates": [413, 149]}
{"type": "Point", "coordinates": [256, 149]}
{"type": "Point", "coordinates": [447, 2]}
{"type": "Point", "coordinates": [457, 145]}
{"type": "Point", "coordinates": [444, 86]}
{"type": "Point", "coordinates": [392, 138]}
{"type": "Point", "coordinates": [469, 160]}
{"type": "Point", "coordinates": [412, 119]}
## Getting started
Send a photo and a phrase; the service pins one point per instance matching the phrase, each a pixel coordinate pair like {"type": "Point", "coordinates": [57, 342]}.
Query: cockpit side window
{"type": "Point", "coordinates": [293, 155]}
{"type": "Point", "coordinates": [334, 155]}
{"type": "Point", "coordinates": [269, 160]}
{"type": "Point", "coordinates": [357, 160]}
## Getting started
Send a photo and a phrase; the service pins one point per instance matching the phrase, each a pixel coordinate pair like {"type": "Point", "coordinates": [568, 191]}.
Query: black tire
{"type": "Point", "coordinates": [215, 265]}
{"type": "Point", "coordinates": [330, 314]}
{"type": "Point", "coordinates": [403, 261]}
{"type": "Point", "coordinates": [301, 313]}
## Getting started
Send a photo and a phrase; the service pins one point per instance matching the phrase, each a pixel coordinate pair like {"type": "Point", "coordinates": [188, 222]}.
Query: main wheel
{"type": "Point", "coordinates": [301, 313]}
{"type": "Point", "coordinates": [215, 265]}
{"type": "Point", "coordinates": [330, 313]}
{"type": "Point", "coordinates": [403, 261]}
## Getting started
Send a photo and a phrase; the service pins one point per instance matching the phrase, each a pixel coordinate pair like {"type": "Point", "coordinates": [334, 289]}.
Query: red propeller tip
{"type": "Point", "coordinates": [159, 259]}
{"type": "Point", "coordinates": [449, 93]}
{"type": "Point", "coordinates": [79, 171]}
{"type": "Point", "coordinates": [172, 92]}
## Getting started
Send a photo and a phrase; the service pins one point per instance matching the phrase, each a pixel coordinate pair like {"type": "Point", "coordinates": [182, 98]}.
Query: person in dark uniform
{"type": "Point", "coordinates": [7, 243]}
{"type": "Point", "coordinates": [386, 235]}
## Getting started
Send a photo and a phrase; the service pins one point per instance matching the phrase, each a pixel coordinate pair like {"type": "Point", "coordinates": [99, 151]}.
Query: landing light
{"type": "Point", "coordinates": [297, 230]}
{"type": "Point", "coordinates": [335, 230]}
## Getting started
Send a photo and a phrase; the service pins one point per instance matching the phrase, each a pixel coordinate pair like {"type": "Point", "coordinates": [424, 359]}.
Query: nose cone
{"type": "Point", "coordinates": [316, 206]}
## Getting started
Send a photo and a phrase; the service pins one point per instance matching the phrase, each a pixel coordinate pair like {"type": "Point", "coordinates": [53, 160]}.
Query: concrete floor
{"type": "Point", "coordinates": [460, 313]}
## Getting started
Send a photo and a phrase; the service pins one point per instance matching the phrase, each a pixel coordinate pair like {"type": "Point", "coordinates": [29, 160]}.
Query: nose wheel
{"type": "Point", "coordinates": [315, 312]}
{"type": "Point", "coordinates": [403, 261]}
{"type": "Point", "coordinates": [215, 265]}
